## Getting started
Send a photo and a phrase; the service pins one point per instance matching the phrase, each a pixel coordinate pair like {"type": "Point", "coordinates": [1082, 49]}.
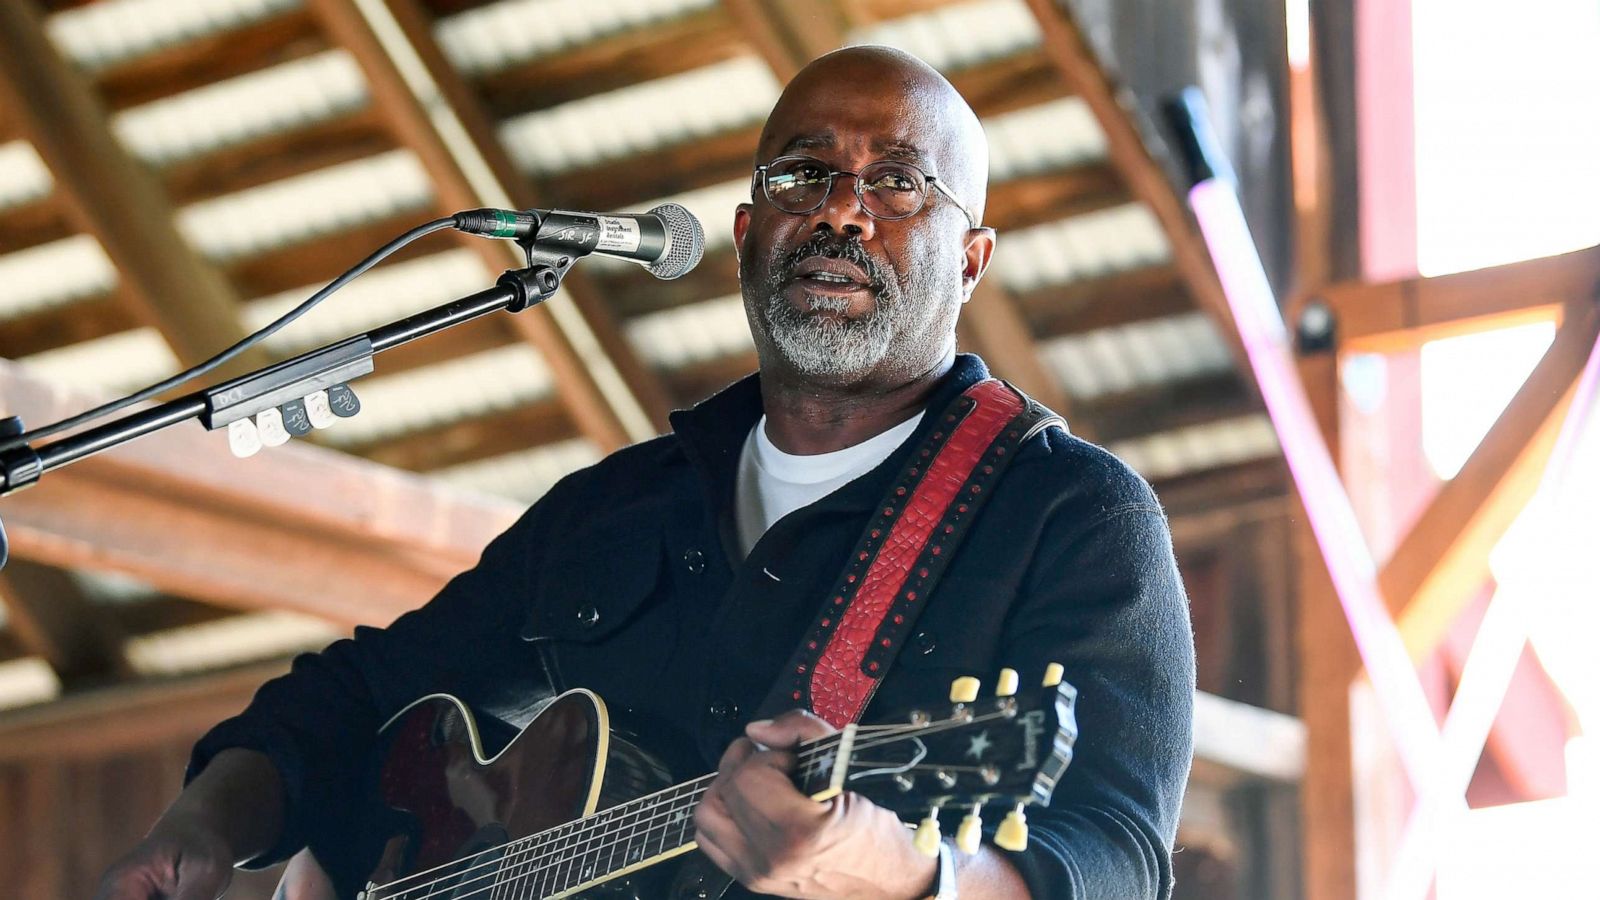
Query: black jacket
{"type": "Point", "coordinates": [629, 572]}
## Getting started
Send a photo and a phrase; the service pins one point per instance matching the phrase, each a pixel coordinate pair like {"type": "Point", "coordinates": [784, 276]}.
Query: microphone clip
{"type": "Point", "coordinates": [541, 278]}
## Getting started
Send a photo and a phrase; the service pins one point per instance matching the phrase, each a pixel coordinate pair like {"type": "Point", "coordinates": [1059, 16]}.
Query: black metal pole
{"type": "Point", "coordinates": [21, 465]}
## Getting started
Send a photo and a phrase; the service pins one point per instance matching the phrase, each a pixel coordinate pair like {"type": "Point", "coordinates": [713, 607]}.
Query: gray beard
{"type": "Point", "coordinates": [832, 348]}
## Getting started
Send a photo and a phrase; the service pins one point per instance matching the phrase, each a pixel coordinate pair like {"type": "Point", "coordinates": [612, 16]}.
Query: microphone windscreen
{"type": "Point", "coordinates": [686, 242]}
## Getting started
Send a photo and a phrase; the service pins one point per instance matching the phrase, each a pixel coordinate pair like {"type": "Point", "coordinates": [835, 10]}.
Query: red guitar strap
{"type": "Point", "coordinates": [905, 549]}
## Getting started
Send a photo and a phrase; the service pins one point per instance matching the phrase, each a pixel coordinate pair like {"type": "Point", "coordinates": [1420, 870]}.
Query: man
{"type": "Point", "coordinates": [675, 577]}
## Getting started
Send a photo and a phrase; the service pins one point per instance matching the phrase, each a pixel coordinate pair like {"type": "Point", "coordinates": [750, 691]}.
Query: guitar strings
{"type": "Point", "coordinates": [648, 815]}
{"type": "Point", "coordinates": [522, 859]}
{"type": "Point", "coordinates": [631, 831]}
{"type": "Point", "coordinates": [820, 745]}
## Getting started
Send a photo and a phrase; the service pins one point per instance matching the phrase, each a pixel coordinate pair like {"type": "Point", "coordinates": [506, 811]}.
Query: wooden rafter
{"type": "Point", "coordinates": [298, 151]}
{"type": "Point", "coordinates": [295, 527]}
{"type": "Point", "coordinates": [129, 717]}
{"type": "Point", "coordinates": [1405, 313]}
{"type": "Point", "coordinates": [630, 57]}
{"type": "Point", "coordinates": [290, 35]}
{"type": "Point", "coordinates": [53, 619]}
{"type": "Point", "coordinates": [105, 193]}
{"type": "Point", "coordinates": [433, 111]}
{"type": "Point", "coordinates": [1443, 560]}
{"type": "Point", "coordinates": [1067, 47]}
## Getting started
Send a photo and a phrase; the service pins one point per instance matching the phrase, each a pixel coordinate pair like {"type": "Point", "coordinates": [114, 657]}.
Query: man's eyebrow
{"type": "Point", "coordinates": [899, 150]}
{"type": "Point", "coordinates": [822, 141]}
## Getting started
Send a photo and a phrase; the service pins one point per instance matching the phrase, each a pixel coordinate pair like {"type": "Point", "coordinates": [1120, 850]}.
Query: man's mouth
{"type": "Point", "coordinates": [831, 275]}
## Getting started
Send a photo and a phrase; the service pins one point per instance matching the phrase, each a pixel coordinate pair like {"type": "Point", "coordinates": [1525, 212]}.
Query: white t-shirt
{"type": "Point", "coordinates": [773, 483]}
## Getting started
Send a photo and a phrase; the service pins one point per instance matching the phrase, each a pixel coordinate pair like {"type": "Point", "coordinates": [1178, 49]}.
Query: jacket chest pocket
{"type": "Point", "coordinates": [601, 614]}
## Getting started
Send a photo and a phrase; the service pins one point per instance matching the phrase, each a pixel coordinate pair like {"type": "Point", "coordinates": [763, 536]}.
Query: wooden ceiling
{"type": "Point", "coordinates": [603, 391]}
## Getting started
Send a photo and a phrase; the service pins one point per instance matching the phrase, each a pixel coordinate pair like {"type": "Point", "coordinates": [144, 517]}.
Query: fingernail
{"type": "Point", "coordinates": [760, 723]}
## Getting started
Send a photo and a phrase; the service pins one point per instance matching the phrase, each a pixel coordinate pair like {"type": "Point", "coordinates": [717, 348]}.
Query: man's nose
{"type": "Point", "coordinates": [842, 210]}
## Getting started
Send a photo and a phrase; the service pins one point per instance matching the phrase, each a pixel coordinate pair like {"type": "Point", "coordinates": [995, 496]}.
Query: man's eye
{"type": "Point", "coordinates": [810, 174]}
{"type": "Point", "coordinates": [893, 181]}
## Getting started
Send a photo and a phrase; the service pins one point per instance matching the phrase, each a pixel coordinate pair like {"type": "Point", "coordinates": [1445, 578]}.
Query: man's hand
{"type": "Point", "coordinates": [758, 828]}
{"type": "Point", "coordinates": [178, 860]}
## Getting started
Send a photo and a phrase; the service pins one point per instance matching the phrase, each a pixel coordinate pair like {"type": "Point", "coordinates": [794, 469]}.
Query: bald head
{"type": "Point", "coordinates": [898, 101]}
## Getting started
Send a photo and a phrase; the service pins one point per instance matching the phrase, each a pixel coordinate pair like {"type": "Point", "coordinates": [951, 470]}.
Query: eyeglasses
{"type": "Point", "coordinates": [887, 189]}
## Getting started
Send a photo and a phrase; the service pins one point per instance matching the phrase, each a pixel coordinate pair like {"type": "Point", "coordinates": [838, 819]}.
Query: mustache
{"type": "Point", "coordinates": [843, 247]}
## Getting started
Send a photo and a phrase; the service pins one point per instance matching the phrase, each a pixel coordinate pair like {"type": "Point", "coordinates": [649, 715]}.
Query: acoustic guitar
{"type": "Point", "coordinates": [568, 808]}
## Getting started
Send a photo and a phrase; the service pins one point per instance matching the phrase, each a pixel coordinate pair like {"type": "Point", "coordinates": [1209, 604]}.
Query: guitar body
{"type": "Point", "coordinates": [437, 798]}
{"type": "Point", "coordinates": [572, 808]}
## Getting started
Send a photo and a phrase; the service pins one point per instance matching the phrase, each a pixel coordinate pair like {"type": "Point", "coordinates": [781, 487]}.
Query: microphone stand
{"type": "Point", "coordinates": [22, 464]}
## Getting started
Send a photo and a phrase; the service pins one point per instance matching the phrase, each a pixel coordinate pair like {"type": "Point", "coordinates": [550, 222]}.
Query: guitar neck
{"type": "Point", "coordinates": [616, 841]}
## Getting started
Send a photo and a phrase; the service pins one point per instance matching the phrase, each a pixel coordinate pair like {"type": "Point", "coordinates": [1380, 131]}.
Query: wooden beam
{"type": "Point", "coordinates": [1123, 298]}
{"type": "Point", "coordinates": [322, 258]}
{"type": "Point", "coordinates": [1236, 742]}
{"type": "Point", "coordinates": [432, 110]}
{"type": "Point", "coordinates": [634, 56]}
{"type": "Point", "coordinates": [128, 718]}
{"type": "Point", "coordinates": [1052, 196]}
{"type": "Point", "coordinates": [1444, 558]}
{"type": "Point", "coordinates": [1068, 49]}
{"type": "Point", "coordinates": [109, 195]}
{"type": "Point", "coordinates": [74, 323]}
{"type": "Point", "coordinates": [995, 323]}
{"type": "Point", "coordinates": [790, 33]}
{"type": "Point", "coordinates": [53, 619]}
{"type": "Point", "coordinates": [522, 428]}
{"type": "Point", "coordinates": [1137, 413]}
{"type": "Point", "coordinates": [31, 224]}
{"type": "Point", "coordinates": [317, 145]}
{"type": "Point", "coordinates": [1015, 82]}
{"type": "Point", "coordinates": [1394, 315]}
{"type": "Point", "coordinates": [638, 293]}
{"type": "Point", "coordinates": [296, 527]}
{"type": "Point", "coordinates": [290, 35]}
{"type": "Point", "coordinates": [674, 169]}
{"type": "Point", "coordinates": [1326, 664]}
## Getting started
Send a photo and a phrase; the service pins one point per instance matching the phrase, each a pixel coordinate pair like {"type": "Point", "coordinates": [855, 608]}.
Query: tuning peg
{"type": "Point", "coordinates": [1053, 674]}
{"type": "Point", "coordinates": [1007, 685]}
{"type": "Point", "coordinates": [1013, 831]}
{"type": "Point", "coordinates": [970, 834]}
{"type": "Point", "coordinates": [927, 838]}
{"type": "Point", "coordinates": [964, 689]}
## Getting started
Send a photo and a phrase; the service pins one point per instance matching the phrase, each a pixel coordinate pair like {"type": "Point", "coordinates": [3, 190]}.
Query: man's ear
{"type": "Point", "coordinates": [741, 225]}
{"type": "Point", "coordinates": [978, 251]}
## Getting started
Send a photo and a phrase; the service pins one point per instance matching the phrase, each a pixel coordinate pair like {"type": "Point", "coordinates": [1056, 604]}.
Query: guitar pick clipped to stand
{"type": "Point", "coordinates": [288, 399]}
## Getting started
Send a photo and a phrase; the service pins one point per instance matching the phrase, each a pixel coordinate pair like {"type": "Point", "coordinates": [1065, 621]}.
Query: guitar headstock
{"type": "Point", "coordinates": [1007, 749]}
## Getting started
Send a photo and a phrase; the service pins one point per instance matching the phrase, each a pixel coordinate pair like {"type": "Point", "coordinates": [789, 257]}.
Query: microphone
{"type": "Point", "coordinates": [667, 240]}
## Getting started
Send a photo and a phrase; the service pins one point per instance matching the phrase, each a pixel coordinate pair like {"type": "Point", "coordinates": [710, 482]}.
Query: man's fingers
{"type": "Point", "coordinates": [788, 730]}
{"type": "Point", "coordinates": [737, 752]}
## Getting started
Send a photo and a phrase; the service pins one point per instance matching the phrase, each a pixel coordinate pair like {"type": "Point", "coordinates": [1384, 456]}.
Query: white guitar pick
{"type": "Point", "coordinates": [270, 423]}
{"type": "Point", "coordinates": [318, 410]}
{"type": "Point", "coordinates": [243, 439]}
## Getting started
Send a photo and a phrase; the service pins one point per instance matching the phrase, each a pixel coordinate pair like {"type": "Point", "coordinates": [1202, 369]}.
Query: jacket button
{"type": "Point", "coordinates": [924, 641]}
{"type": "Point", "coordinates": [588, 617]}
{"type": "Point", "coordinates": [723, 709]}
{"type": "Point", "coordinates": [694, 561]}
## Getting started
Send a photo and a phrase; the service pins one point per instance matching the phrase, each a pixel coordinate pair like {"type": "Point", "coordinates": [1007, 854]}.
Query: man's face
{"type": "Point", "coordinates": [838, 295]}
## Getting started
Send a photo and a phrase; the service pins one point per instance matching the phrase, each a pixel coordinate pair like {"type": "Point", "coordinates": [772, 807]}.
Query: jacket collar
{"type": "Point", "coordinates": [712, 434]}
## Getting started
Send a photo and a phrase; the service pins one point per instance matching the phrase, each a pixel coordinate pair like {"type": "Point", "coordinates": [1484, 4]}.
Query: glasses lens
{"type": "Point", "coordinates": [892, 190]}
{"type": "Point", "coordinates": [797, 184]}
